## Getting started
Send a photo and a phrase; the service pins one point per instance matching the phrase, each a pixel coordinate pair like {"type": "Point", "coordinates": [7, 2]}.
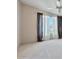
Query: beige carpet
{"type": "Point", "coordinates": [51, 49]}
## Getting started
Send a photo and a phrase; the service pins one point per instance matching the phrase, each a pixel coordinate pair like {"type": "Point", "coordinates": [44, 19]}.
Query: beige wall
{"type": "Point", "coordinates": [29, 30]}
{"type": "Point", "coordinates": [29, 24]}
{"type": "Point", "coordinates": [18, 23]}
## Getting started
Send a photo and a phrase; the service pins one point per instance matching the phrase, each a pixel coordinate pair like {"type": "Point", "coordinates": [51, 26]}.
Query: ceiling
{"type": "Point", "coordinates": [46, 5]}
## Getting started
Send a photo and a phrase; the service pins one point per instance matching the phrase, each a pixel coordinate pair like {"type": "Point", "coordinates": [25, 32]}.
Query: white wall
{"type": "Point", "coordinates": [29, 24]}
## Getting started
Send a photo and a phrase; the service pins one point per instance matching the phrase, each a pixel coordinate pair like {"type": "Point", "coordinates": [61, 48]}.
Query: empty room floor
{"type": "Point", "coordinates": [51, 49]}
